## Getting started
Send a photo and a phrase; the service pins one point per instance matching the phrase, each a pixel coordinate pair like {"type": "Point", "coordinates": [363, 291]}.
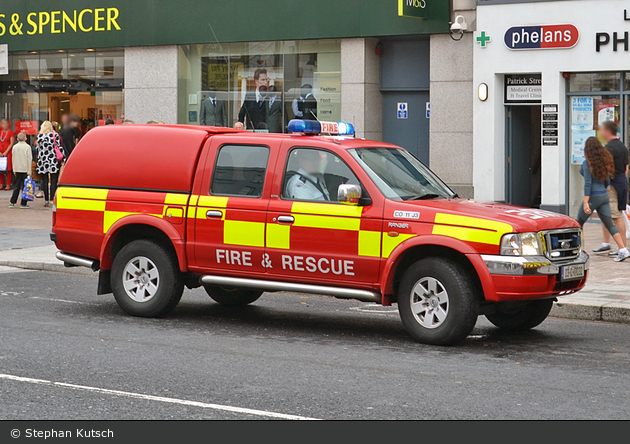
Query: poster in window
{"type": "Point", "coordinates": [606, 113]}
{"type": "Point", "coordinates": [578, 141]}
{"type": "Point", "coordinates": [581, 113]}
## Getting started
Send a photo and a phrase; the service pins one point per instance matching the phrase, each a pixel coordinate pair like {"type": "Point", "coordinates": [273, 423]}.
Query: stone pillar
{"type": "Point", "coordinates": [361, 99]}
{"type": "Point", "coordinates": [451, 126]}
{"type": "Point", "coordinates": [151, 84]}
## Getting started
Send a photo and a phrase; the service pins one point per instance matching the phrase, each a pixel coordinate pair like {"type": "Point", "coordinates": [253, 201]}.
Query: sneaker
{"type": "Point", "coordinates": [602, 249]}
{"type": "Point", "coordinates": [613, 253]}
{"type": "Point", "coordinates": [622, 256]}
{"type": "Point", "coordinates": [11, 206]}
{"type": "Point", "coordinates": [25, 207]}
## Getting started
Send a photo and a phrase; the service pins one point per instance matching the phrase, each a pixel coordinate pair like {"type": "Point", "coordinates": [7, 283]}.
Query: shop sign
{"type": "Point", "coordinates": [523, 88]}
{"type": "Point", "coordinates": [28, 127]}
{"type": "Point", "coordinates": [413, 8]}
{"type": "Point", "coordinates": [542, 37]}
{"type": "Point", "coordinates": [36, 25]}
{"type": "Point", "coordinates": [618, 39]}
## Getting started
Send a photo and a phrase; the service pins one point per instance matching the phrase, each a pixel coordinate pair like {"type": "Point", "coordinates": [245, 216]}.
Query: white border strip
{"type": "Point", "coordinates": [202, 405]}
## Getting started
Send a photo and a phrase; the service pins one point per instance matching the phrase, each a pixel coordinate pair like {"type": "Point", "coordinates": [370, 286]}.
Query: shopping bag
{"type": "Point", "coordinates": [28, 192]}
{"type": "Point", "coordinates": [58, 154]}
{"type": "Point", "coordinates": [626, 221]}
{"type": "Point", "coordinates": [4, 163]}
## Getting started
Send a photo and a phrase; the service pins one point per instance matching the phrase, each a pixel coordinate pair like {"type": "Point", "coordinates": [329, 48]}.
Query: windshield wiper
{"type": "Point", "coordinates": [425, 197]}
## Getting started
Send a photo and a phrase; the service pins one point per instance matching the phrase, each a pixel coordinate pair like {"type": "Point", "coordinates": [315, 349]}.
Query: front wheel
{"type": "Point", "coordinates": [233, 297]}
{"type": "Point", "coordinates": [520, 316]}
{"type": "Point", "coordinates": [437, 302]}
{"type": "Point", "coordinates": [146, 280]}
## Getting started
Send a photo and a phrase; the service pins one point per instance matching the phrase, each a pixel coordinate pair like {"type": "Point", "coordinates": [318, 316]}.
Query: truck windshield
{"type": "Point", "coordinates": [399, 175]}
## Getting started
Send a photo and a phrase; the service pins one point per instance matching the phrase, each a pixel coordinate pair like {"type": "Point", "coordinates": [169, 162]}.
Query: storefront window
{"type": "Point", "coordinates": [586, 113]}
{"type": "Point", "coordinates": [604, 81]}
{"type": "Point", "coordinates": [262, 85]}
{"type": "Point", "coordinates": [46, 85]}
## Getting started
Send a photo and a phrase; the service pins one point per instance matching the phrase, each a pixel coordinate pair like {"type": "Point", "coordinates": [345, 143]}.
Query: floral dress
{"type": "Point", "coordinates": [46, 156]}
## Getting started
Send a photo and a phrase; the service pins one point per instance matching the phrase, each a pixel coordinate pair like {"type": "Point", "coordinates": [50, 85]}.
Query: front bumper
{"type": "Point", "coordinates": [529, 265]}
{"type": "Point", "coordinates": [535, 277]}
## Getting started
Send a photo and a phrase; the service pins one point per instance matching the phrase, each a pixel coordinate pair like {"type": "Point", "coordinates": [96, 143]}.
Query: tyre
{"type": "Point", "coordinates": [437, 302]}
{"type": "Point", "coordinates": [146, 280]}
{"type": "Point", "coordinates": [233, 297]}
{"type": "Point", "coordinates": [520, 316]}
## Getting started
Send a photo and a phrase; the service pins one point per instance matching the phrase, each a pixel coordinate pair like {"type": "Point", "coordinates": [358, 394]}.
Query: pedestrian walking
{"type": "Point", "coordinates": [47, 163]}
{"type": "Point", "coordinates": [597, 171]}
{"type": "Point", "coordinates": [70, 133]}
{"type": "Point", "coordinates": [7, 140]}
{"type": "Point", "coordinates": [618, 188]}
{"type": "Point", "coordinates": [22, 162]}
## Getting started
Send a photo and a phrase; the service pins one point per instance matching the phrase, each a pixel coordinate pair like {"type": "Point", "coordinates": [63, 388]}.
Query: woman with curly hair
{"type": "Point", "coordinates": [597, 170]}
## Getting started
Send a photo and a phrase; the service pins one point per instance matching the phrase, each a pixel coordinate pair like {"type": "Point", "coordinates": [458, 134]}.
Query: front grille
{"type": "Point", "coordinates": [563, 244]}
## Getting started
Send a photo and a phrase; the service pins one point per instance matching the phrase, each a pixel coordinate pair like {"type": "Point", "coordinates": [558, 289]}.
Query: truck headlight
{"type": "Point", "coordinates": [521, 244]}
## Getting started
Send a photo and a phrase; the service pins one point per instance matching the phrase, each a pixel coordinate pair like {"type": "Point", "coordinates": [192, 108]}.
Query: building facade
{"type": "Point", "coordinates": [546, 74]}
{"type": "Point", "coordinates": [384, 65]}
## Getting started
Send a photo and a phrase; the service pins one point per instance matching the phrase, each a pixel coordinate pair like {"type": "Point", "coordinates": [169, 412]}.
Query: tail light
{"type": "Point", "coordinates": [54, 211]}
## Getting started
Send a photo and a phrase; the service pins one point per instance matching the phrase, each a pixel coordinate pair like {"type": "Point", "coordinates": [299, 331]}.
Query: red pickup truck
{"type": "Point", "coordinates": [157, 208]}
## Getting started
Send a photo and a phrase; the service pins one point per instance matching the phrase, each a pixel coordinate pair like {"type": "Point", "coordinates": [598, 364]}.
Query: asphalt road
{"type": "Point", "coordinates": [78, 356]}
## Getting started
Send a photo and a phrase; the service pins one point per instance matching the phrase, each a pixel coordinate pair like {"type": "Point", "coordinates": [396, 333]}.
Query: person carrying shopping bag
{"type": "Point", "coordinates": [48, 144]}
{"type": "Point", "coordinates": [22, 159]}
{"type": "Point", "coordinates": [597, 170]}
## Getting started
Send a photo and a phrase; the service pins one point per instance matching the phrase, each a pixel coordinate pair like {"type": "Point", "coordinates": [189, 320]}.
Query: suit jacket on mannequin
{"type": "Point", "coordinates": [308, 107]}
{"type": "Point", "coordinates": [255, 112]}
{"type": "Point", "coordinates": [274, 115]}
{"type": "Point", "coordinates": [213, 114]}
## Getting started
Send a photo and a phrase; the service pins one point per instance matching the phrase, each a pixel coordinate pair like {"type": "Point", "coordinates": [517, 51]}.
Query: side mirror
{"type": "Point", "coordinates": [349, 194]}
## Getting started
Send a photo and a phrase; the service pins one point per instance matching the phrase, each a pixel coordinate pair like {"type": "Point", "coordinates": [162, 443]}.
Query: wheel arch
{"type": "Point", "coordinates": [137, 227]}
{"type": "Point", "coordinates": [421, 247]}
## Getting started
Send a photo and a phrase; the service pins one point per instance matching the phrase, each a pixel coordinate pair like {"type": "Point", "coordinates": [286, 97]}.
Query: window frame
{"type": "Point", "coordinates": [364, 192]}
{"type": "Point", "coordinates": [215, 165]}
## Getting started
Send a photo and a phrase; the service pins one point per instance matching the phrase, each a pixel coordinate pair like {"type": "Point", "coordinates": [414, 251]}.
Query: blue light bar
{"type": "Point", "coordinates": [345, 129]}
{"type": "Point", "coordinates": [315, 127]}
{"type": "Point", "coordinates": [305, 126]}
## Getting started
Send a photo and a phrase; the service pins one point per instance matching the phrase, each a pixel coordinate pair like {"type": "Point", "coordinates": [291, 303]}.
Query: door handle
{"type": "Point", "coordinates": [286, 219]}
{"type": "Point", "coordinates": [212, 214]}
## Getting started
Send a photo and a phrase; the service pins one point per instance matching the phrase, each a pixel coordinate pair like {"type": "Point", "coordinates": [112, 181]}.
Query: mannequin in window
{"type": "Point", "coordinates": [305, 107]}
{"type": "Point", "coordinates": [274, 111]}
{"type": "Point", "coordinates": [254, 109]}
{"type": "Point", "coordinates": [213, 112]}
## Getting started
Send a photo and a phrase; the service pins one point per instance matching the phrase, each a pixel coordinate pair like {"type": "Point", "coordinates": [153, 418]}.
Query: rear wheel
{"type": "Point", "coordinates": [437, 302]}
{"type": "Point", "coordinates": [146, 280]}
{"type": "Point", "coordinates": [520, 316]}
{"type": "Point", "coordinates": [233, 297]}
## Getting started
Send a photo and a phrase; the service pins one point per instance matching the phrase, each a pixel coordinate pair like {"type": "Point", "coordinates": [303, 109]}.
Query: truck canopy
{"type": "Point", "coordinates": [141, 157]}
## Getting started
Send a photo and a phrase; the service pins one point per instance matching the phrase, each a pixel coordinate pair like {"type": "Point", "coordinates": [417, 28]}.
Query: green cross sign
{"type": "Point", "coordinates": [484, 39]}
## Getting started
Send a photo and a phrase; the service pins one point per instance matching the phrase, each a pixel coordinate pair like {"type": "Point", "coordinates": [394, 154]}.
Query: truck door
{"type": "Point", "coordinates": [310, 235]}
{"type": "Point", "coordinates": [230, 209]}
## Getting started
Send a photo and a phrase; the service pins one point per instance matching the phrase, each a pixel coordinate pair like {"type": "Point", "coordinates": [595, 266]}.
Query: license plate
{"type": "Point", "coordinates": [572, 272]}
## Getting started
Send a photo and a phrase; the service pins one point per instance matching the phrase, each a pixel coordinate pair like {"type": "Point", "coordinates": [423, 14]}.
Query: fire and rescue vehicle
{"type": "Point", "coordinates": [158, 208]}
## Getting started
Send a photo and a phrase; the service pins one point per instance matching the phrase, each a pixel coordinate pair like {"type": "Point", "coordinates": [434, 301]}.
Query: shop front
{"type": "Point", "coordinates": [552, 72]}
{"type": "Point", "coordinates": [208, 62]}
{"type": "Point", "coordinates": [44, 85]}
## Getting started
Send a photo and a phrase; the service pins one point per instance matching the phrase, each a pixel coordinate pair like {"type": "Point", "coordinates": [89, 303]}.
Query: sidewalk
{"type": "Point", "coordinates": [25, 243]}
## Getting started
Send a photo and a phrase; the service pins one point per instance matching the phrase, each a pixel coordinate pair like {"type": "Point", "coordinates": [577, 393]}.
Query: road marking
{"type": "Point", "coordinates": [4, 269]}
{"type": "Point", "coordinates": [202, 405]}
{"type": "Point", "coordinates": [60, 300]}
